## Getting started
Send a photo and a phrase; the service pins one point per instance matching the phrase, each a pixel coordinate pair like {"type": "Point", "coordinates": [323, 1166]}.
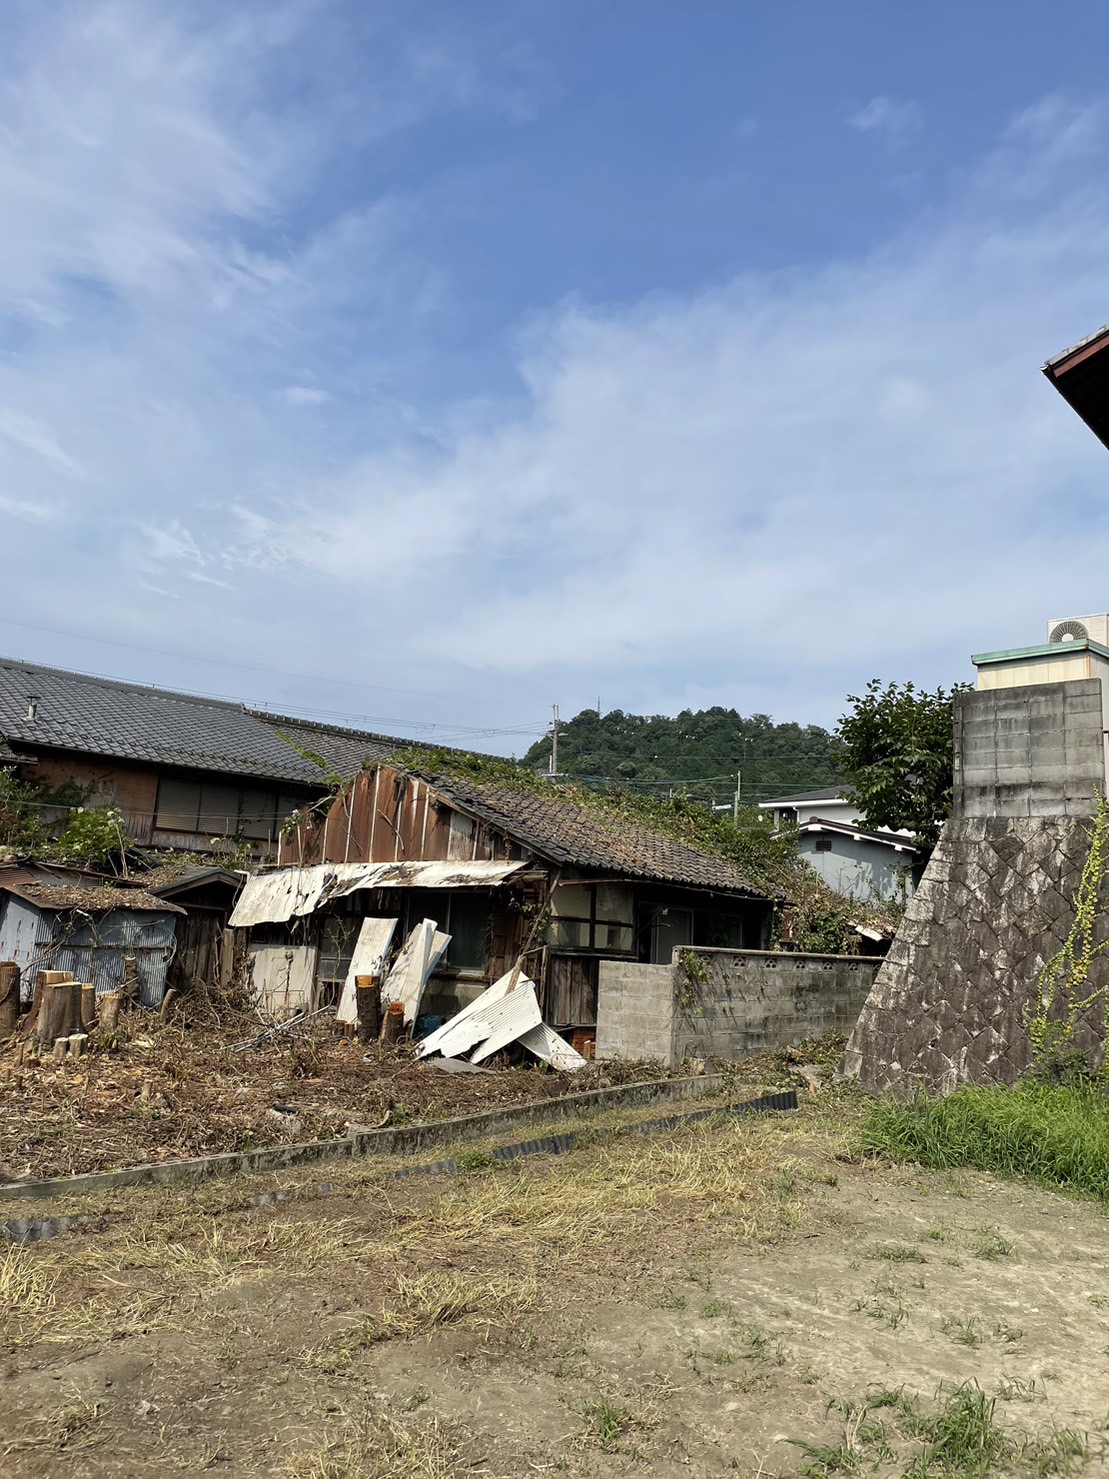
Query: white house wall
{"type": "Point", "coordinates": [860, 870]}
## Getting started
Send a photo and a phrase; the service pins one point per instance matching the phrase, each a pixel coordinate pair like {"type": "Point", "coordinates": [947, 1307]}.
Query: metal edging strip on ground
{"type": "Point", "coordinates": [400, 1140]}
{"type": "Point", "coordinates": [39, 1229]}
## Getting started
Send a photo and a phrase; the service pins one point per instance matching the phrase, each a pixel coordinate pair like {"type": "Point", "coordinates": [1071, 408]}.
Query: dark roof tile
{"type": "Point", "coordinates": [564, 831]}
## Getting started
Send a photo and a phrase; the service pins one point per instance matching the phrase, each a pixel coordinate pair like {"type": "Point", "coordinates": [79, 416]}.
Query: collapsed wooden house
{"type": "Point", "coordinates": [506, 868]}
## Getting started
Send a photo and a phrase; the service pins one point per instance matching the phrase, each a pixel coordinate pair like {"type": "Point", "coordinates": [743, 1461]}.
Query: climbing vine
{"type": "Point", "coordinates": [1063, 991]}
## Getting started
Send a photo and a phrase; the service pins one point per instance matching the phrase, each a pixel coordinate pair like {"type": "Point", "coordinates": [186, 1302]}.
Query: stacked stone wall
{"type": "Point", "coordinates": [995, 904]}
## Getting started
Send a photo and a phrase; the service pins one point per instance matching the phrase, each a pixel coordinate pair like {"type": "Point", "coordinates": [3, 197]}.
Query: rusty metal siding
{"type": "Point", "coordinates": [91, 947]}
{"type": "Point", "coordinates": [385, 816]}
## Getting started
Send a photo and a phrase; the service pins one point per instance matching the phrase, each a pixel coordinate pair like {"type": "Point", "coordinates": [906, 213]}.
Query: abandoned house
{"type": "Point", "coordinates": [48, 922]}
{"type": "Point", "coordinates": [186, 772]}
{"type": "Point", "coordinates": [505, 868]}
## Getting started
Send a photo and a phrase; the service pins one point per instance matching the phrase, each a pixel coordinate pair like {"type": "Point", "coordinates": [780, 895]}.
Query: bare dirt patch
{"type": "Point", "coordinates": [702, 1302]}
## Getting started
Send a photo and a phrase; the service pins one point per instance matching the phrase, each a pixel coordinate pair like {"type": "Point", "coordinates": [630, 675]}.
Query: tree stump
{"type": "Point", "coordinates": [61, 1049]}
{"type": "Point", "coordinates": [367, 994]}
{"type": "Point", "coordinates": [129, 986]}
{"type": "Point", "coordinates": [109, 1011]}
{"type": "Point", "coordinates": [59, 1011]}
{"type": "Point", "coordinates": [9, 997]}
{"type": "Point", "coordinates": [88, 1005]}
{"type": "Point", "coordinates": [42, 981]}
{"type": "Point", "coordinates": [393, 1024]}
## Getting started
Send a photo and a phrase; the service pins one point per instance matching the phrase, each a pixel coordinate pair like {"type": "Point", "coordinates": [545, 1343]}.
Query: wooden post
{"type": "Point", "coordinates": [393, 1023]}
{"type": "Point", "coordinates": [88, 1005]}
{"type": "Point", "coordinates": [367, 994]}
{"type": "Point", "coordinates": [9, 997]}
{"type": "Point", "coordinates": [109, 1011]}
{"type": "Point", "coordinates": [59, 1010]}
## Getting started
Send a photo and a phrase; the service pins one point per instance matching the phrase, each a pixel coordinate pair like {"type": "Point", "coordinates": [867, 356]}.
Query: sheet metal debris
{"type": "Point", "coordinates": [367, 959]}
{"type": "Point", "coordinates": [273, 898]}
{"type": "Point", "coordinates": [422, 952]}
{"type": "Point", "coordinates": [507, 1012]}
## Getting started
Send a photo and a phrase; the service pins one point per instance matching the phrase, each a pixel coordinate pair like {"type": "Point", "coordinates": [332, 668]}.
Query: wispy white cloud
{"type": "Point", "coordinates": [758, 494]}
{"type": "Point", "coordinates": [305, 395]}
{"type": "Point", "coordinates": [895, 118]}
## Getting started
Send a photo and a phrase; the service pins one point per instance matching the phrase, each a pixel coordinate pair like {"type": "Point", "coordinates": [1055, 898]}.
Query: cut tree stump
{"type": "Point", "coordinates": [61, 1049]}
{"type": "Point", "coordinates": [88, 1005]}
{"type": "Point", "coordinates": [367, 995]}
{"type": "Point", "coordinates": [42, 981]}
{"type": "Point", "coordinates": [109, 1011]}
{"type": "Point", "coordinates": [59, 1010]}
{"type": "Point", "coordinates": [9, 997]}
{"type": "Point", "coordinates": [392, 1025]}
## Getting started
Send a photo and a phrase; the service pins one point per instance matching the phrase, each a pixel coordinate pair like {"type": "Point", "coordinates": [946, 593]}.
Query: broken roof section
{"type": "Point", "coordinates": [1081, 376]}
{"type": "Point", "coordinates": [273, 898]}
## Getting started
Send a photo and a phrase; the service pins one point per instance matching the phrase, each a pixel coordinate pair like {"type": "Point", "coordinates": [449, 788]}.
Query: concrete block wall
{"type": "Point", "coordinates": [635, 1011]}
{"type": "Point", "coordinates": [1029, 752]}
{"type": "Point", "coordinates": [753, 1000]}
{"type": "Point", "coordinates": [727, 1003]}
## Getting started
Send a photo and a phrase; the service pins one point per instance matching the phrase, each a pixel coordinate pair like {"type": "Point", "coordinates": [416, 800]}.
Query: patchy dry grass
{"type": "Point", "coordinates": [378, 1447]}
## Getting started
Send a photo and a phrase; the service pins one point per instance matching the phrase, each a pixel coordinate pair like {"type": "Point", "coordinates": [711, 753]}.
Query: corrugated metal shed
{"type": "Point", "coordinates": [91, 943]}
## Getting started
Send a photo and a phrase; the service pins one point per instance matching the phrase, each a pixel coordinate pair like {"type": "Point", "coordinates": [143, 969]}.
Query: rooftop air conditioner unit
{"type": "Point", "coordinates": [1078, 628]}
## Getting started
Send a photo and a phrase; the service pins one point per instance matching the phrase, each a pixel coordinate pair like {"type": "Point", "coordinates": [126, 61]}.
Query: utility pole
{"type": "Point", "coordinates": [554, 741]}
{"type": "Point", "coordinates": [738, 793]}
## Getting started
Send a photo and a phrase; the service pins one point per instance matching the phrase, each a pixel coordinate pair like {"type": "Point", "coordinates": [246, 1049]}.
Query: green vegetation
{"type": "Point", "coordinates": [897, 752]}
{"type": "Point", "coordinates": [1063, 991]}
{"type": "Point", "coordinates": [961, 1439]}
{"type": "Point", "coordinates": [55, 824]}
{"type": "Point", "coordinates": [1055, 1134]}
{"type": "Point", "coordinates": [699, 751]}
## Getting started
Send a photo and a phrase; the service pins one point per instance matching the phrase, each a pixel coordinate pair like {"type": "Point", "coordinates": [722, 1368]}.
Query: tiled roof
{"type": "Point", "coordinates": [344, 751]}
{"type": "Point", "coordinates": [564, 831]}
{"type": "Point", "coordinates": [130, 721]}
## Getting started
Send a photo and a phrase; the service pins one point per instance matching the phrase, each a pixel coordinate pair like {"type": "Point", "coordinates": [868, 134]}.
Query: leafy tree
{"type": "Point", "coordinates": [897, 749]}
{"type": "Point", "coordinates": [699, 751]}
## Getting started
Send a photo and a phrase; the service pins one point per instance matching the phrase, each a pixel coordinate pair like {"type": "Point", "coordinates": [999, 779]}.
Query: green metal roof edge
{"type": "Point", "coordinates": [1046, 649]}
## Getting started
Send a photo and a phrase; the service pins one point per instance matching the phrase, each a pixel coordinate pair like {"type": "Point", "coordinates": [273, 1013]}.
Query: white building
{"type": "Point", "coordinates": [858, 862]}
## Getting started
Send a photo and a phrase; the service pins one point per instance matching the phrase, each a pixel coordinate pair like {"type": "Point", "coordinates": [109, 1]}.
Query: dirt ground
{"type": "Point", "coordinates": [180, 1090]}
{"type": "Point", "coordinates": [700, 1302]}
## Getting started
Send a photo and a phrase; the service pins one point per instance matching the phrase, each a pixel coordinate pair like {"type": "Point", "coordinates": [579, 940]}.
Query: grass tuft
{"type": "Point", "coordinates": [1055, 1134]}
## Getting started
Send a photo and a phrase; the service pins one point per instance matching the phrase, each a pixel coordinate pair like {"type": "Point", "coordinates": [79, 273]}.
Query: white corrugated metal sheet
{"type": "Point", "coordinates": [422, 952]}
{"type": "Point", "coordinates": [271, 898]}
{"type": "Point", "coordinates": [367, 959]}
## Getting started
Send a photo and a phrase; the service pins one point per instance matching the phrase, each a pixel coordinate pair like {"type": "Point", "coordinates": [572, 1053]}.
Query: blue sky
{"type": "Point", "coordinates": [427, 364]}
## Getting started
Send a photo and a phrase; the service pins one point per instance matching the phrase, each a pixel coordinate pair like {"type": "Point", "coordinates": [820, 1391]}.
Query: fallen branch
{"type": "Point", "coordinates": [280, 1027]}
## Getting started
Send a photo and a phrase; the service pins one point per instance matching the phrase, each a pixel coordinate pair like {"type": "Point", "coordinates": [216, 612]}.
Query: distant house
{"type": "Point", "coordinates": [504, 868]}
{"type": "Point", "coordinates": [868, 864]}
{"type": "Point", "coordinates": [827, 801]}
{"type": "Point", "coordinates": [184, 770]}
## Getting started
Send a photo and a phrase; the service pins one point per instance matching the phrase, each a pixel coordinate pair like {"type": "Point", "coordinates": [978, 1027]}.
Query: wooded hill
{"type": "Point", "coordinates": [700, 751]}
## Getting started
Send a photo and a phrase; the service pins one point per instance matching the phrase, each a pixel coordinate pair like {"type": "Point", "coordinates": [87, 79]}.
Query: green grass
{"type": "Point", "coordinates": [959, 1439]}
{"type": "Point", "coordinates": [1057, 1135]}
